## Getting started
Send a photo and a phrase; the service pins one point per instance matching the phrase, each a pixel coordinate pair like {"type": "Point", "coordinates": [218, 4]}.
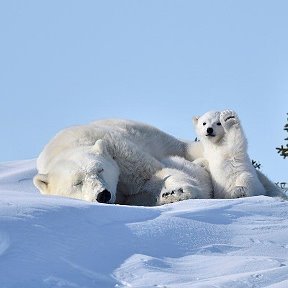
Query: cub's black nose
{"type": "Point", "coordinates": [104, 196]}
{"type": "Point", "coordinates": [210, 130]}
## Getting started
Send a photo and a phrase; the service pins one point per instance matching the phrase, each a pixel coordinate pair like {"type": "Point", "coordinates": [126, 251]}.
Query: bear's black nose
{"type": "Point", "coordinates": [104, 196]}
{"type": "Point", "coordinates": [210, 130]}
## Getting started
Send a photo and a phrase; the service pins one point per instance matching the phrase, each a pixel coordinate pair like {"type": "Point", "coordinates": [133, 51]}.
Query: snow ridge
{"type": "Point", "coordinates": [58, 242]}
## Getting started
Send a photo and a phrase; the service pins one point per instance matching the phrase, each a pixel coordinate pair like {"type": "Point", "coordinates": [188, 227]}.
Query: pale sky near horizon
{"type": "Point", "coordinates": [159, 62]}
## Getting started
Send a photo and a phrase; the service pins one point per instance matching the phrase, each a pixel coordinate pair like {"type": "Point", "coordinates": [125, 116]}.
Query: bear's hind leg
{"type": "Point", "coordinates": [243, 185]}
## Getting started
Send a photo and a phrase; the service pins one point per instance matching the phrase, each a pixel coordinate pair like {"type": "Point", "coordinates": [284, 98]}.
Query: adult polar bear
{"type": "Point", "coordinates": [118, 161]}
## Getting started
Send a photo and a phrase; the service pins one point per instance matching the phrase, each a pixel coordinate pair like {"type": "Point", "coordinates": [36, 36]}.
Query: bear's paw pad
{"type": "Point", "coordinates": [239, 192]}
{"type": "Point", "coordinates": [174, 196]}
{"type": "Point", "coordinates": [228, 118]}
{"type": "Point", "coordinates": [173, 193]}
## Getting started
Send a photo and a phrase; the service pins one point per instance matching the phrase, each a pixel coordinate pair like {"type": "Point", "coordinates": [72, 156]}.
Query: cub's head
{"type": "Point", "coordinates": [87, 173]}
{"type": "Point", "coordinates": [208, 127]}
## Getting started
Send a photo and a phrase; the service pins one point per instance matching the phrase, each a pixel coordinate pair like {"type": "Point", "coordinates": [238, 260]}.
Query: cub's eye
{"type": "Point", "coordinates": [204, 123]}
{"type": "Point", "coordinates": [78, 183]}
{"type": "Point", "coordinates": [100, 170]}
{"type": "Point", "coordinates": [219, 124]}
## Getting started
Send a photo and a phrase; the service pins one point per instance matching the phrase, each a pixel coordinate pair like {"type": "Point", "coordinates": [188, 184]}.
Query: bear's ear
{"type": "Point", "coordinates": [100, 147]}
{"type": "Point", "coordinates": [195, 120]}
{"type": "Point", "coordinates": [41, 182]}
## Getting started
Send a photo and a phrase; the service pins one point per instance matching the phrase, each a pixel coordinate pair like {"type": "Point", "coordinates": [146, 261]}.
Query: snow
{"type": "Point", "coordinates": [48, 241]}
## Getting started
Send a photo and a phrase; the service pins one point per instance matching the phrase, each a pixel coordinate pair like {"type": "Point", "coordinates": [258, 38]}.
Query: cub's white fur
{"type": "Point", "coordinates": [225, 150]}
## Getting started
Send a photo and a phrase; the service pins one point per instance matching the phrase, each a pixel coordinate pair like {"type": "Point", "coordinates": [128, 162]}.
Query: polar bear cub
{"type": "Point", "coordinates": [225, 150]}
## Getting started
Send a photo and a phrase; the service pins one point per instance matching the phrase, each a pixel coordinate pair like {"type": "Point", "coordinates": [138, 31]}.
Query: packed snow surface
{"type": "Point", "coordinates": [48, 241]}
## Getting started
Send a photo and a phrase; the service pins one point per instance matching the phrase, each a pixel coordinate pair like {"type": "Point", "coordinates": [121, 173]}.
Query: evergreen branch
{"type": "Point", "coordinates": [283, 151]}
{"type": "Point", "coordinates": [256, 164]}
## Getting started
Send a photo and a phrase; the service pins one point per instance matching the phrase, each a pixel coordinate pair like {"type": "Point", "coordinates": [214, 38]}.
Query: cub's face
{"type": "Point", "coordinates": [208, 127]}
{"type": "Point", "coordinates": [86, 173]}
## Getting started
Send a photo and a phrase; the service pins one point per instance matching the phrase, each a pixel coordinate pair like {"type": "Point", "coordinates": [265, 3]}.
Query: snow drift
{"type": "Point", "coordinates": [59, 242]}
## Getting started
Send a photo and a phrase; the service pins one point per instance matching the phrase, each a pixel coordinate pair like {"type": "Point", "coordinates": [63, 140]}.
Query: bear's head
{"type": "Point", "coordinates": [208, 127]}
{"type": "Point", "coordinates": [87, 173]}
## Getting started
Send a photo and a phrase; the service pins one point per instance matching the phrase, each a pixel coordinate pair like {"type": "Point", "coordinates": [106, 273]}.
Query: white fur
{"type": "Point", "coordinates": [115, 157]}
{"type": "Point", "coordinates": [225, 150]}
{"type": "Point", "coordinates": [179, 179]}
{"type": "Point", "coordinates": [196, 175]}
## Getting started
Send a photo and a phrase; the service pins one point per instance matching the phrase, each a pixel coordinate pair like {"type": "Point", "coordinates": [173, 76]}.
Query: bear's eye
{"type": "Point", "coordinates": [219, 124]}
{"type": "Point", "coordinates": [204, 123]}
{"type": "Point", "coordinates": [100, 170]}
{"type": "Point", "coordinates": [78, 183]}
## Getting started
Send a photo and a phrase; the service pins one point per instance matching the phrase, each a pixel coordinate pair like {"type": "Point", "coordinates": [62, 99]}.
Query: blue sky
{"type": "Point", "coordinates": [160, 62]}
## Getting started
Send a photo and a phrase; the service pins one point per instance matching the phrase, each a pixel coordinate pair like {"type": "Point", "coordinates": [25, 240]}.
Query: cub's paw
{"type": "Point", "coordinates": [239, 192]}
{"type": "Point", "coordinates": [228, 118]}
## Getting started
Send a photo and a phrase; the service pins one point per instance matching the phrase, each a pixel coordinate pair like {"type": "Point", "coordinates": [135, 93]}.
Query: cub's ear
{"type": "Point", "coordinates": [41, 182]}
{"type": "Point", "coordinates": [100, 147]}
{"type": "Point", "coordinates": [195, 120]}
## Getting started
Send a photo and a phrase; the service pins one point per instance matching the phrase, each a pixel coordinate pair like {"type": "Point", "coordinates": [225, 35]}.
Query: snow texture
{"type": "Point", "coordinates": [60, 242]}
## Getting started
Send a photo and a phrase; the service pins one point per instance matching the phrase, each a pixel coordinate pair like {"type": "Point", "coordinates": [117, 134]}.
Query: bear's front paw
{"type": "Point", "coordinates": [239, 192]}
{"type": "Point", "coordinates": [228, 118]}
{"type": "Point", "coordinates": [174, 196]}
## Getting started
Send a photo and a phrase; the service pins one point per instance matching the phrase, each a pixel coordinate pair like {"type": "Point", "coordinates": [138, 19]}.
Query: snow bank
{"type": "Point", "coordinates": [57, 242]}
